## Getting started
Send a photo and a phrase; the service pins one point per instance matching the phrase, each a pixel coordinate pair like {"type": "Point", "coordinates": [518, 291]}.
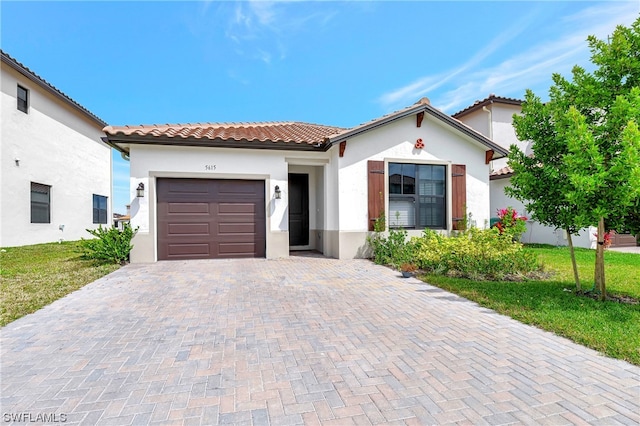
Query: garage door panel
{"type": "Point", "coordinates": [184, 187]}
{"type": "Point", "coordinates": [189, 250]}
{"type": "Point", "coordinates": [239, 217]}
{"type": "Point", "coordinates": [238, 188]}
{"type": "Point", "coordinates": [235, 208]}
{"type": "Point", "coordinates": [179, 229]}
{"type": "Point", "coordinates": [237, 228]}
{"type": "Point", "coordinates": [188, 208]}
{"type": "Point", "coordinates": [208, 218]}
{"type": "Point", "coordinates": [237, 249]}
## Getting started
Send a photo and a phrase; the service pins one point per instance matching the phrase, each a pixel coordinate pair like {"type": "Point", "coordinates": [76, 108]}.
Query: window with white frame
{"type": "Point", "coordinates": [417, 196]}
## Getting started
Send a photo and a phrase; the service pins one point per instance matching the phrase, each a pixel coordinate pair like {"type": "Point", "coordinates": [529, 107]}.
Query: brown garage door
{"type": "Point", "coordinates": [209, 219]}
{"type": "Point", "coordinates": [622, 240]}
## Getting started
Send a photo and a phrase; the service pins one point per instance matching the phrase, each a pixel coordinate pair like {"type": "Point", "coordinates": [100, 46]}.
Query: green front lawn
{"type": "Point", "coordinates": [609, 327]}
{"type": "Point", "coordinates": [34, 276]}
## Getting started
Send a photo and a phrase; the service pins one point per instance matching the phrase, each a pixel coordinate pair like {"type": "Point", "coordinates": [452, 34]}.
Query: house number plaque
{"type": "Point", "coordinates": [209, 167]}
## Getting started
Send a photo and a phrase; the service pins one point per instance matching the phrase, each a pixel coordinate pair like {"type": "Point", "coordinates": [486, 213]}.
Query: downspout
{"type": "Point", "coordinates": [124, 155]}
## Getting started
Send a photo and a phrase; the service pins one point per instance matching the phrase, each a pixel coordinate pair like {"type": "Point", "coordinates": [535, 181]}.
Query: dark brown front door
{"type": "Point", "coordinates": [298, 209]}
{"type": "Point", "coordinates": [209, 219]}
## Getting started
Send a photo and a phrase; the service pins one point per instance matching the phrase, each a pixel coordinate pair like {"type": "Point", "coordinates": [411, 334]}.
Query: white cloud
{"type": "Point", "coordinates": [264, 56]}
{"type": "Point", "coordinates": [264, 11]}
{"type": "Point", "coordinates": [429, 83]}
{"type": "Point", "coordinates": [264, 28]}
{"type": "Point", "coordinates": [526, 69]}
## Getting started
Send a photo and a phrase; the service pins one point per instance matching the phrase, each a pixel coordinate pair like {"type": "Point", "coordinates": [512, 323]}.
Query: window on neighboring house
{"type": "Point", "coordinates": [40, 203]}
{"type": "Point", "coordinates": [417, 196]}
{"type": "Point", "coordinates": [23, 99]}
{"type": "Point", "coordinates": [99, 209]}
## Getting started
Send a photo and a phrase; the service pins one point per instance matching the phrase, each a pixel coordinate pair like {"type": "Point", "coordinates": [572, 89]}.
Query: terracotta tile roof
{"type": "Point", "coordinates": [287, 132]}
{"type": "Point", "coordinates": [501, 173]}
{"type": "Point", "coordinates": [303, 135]}
{"type": "Point", "coordinates": [489, 100]}
{"type": "Point", "coordinates": [22, 69]}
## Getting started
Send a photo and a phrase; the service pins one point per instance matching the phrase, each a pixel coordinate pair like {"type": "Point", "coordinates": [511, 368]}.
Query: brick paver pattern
{"type": "Point", "coordinates": [303, 340]}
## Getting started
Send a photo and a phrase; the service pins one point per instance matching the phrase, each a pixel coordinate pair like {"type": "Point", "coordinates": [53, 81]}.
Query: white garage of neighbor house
{"type": "Point", "coordinates": [264, 189]}
{"type": "Point", "coordinates": [55, 178]}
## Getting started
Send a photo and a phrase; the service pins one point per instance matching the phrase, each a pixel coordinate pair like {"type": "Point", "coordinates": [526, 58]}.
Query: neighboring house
{"type": "Point", "coordinates": [119, 220]}
{"type": "Point", "coordinates": [263, 189]}
{"type": "Point", "coordinates": [55, 179]}
{"type": "Point", "coordinates": [493, 117]}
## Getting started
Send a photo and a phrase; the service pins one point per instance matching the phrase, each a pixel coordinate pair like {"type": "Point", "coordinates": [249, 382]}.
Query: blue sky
{"type": "Point", "coordinates": [334, 63]}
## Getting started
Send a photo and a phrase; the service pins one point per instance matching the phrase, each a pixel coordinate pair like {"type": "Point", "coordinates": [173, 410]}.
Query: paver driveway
{"type": "Point", "coordinates": [299, 340]}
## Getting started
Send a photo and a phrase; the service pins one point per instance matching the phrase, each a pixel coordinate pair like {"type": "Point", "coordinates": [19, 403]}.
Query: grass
{"type": "Point", "coordinates": [34, 276]}
{"type": "Point", "coordinates": [609, 327]}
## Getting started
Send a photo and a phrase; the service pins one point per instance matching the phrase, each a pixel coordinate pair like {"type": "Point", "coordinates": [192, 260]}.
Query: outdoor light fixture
{"type": "Point", "coordinates": [140, 190]}
{"type": "Point", "coordinates": [278, 192]}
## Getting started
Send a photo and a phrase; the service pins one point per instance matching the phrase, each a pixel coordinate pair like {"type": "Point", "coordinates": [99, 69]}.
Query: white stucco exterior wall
{"type": "Point", "coordinates": [500, 130]}
{"type": "Point", "coordinates": [56, 145]}
{"type": "Point", "coordinates": [395, 142]}
{"type": "Point", "coordinates": [271, 166]}
{"type": "Point", "coordinates": [504, 134]}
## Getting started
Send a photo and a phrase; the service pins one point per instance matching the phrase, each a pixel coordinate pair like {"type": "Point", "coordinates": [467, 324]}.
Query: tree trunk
{"type": "Point", "coordinates": [599, 273]}
{"type": "Point", "coordinates": [573, 261]}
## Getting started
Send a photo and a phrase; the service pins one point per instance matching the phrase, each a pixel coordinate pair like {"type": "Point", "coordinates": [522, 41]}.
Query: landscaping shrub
{"type": "Point", "coordinates": [511, 223]}
{"type": "Point", "coordinates": [110, 245]}
{"type": "Point", "coordinates": [392, 250]}
{"type": "Point", "coordinates": [477, 254]}
{"type": "Point", "coordinates": [489, 254]}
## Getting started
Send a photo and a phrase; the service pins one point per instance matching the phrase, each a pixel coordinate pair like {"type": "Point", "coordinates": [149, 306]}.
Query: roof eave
{"type": "Point", "coordinates": [499, 152]}
{"type": "Point", "coordinates": [491, 100]}
{"type": "Point", "coordinates": [503, 176]}
{"type": "Point", "coordinates": [332, 140]}
{"type": "Point", "coordinates": [52, 90]}
{"type": "Point", "coordinates": [116, 140]}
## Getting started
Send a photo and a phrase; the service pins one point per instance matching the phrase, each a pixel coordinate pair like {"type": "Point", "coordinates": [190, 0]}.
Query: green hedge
{"type": "Point", "coordinates": [477, 254]}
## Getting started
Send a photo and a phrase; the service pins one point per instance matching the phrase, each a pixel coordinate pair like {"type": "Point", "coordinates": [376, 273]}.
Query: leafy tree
{"type": "Point", "coordinates": [585, 167]}
{"type": "Point", "coordinates": [540, 181]}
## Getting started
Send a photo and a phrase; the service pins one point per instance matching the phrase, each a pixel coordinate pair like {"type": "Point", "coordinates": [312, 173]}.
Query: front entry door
{"type": "Point", "coordinates": [298, 209]}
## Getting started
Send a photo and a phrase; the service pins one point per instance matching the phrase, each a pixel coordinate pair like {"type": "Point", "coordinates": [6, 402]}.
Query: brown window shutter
{"type": "Point", "coordinates": [458, 192]}
{"type": "Point", "coordinates": [375, 172]}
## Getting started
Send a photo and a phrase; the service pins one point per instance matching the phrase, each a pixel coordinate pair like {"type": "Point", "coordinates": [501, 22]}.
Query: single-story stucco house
{"type": "Point", "coordinates": [209, 190]}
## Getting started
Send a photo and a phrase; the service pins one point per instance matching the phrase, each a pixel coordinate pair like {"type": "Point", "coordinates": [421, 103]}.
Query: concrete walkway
{"type": "Point", "coordinates": [299, 340]}
{"type": "Point", "coordinates": [635, 249]}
